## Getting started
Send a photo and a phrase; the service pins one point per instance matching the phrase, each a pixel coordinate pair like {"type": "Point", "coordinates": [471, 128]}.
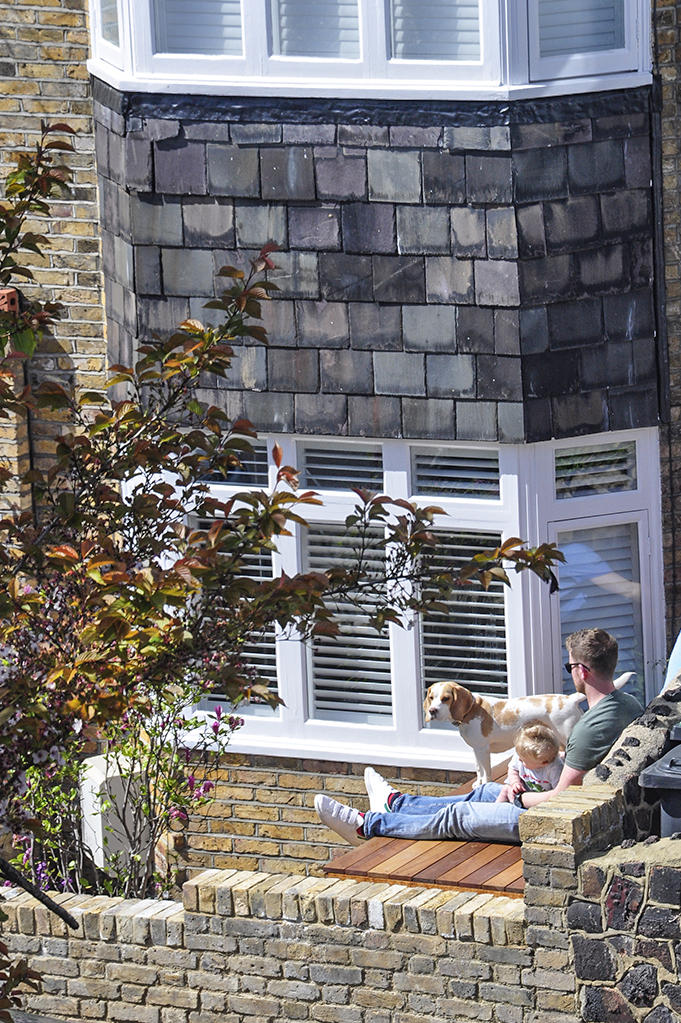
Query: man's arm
{"type": "Point", "coordinates": [569, 776]}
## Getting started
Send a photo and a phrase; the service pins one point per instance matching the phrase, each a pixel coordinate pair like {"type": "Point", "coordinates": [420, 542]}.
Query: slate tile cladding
{"type": "Point", "coordinates": [440, 278]}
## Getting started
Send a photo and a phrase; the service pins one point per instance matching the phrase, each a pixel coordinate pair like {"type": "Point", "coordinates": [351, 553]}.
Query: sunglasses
{"type": "Point", "coordinates": [570, 665]}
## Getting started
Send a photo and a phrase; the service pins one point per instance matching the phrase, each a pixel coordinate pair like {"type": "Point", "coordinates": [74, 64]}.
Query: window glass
{"type": "Point", "coordinates": [108, 10]}
{"type": "Point", "coordinates": [204, 26]}
{"type": "Point", "coordinates": [580, 26]}
{"type": "Point", "coordinates": [600, 587]}
{"type": "Point", "coordinates": [325, 28]}
{"type": "Point", "coordinates": [455, 473]}
{"type": "Point", "coordinates": [467, 646]}
{"type": "Point", "coordinates": [253, 471]}
{"type": "Point", "coordinates": [605, 469]}
{"type": "Point", "coordinates": [435, 30]}
{"type": "Point", "coordinates": [350, 673]}
{"type": "Point", "coordinates": [336, 468]}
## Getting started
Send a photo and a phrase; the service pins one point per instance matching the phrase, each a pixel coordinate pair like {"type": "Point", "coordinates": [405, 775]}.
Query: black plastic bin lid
{"type": "Point", "coordinates": [665, 773]}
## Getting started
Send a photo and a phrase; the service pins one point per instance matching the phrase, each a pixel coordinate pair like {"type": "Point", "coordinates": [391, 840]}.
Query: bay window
{"type": "Point", "coordinates": [359, 696]}
{"type": "Point", "coordinates": [442, 48]}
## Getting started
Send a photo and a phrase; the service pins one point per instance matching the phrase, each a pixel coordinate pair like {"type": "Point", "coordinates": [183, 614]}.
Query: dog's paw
{"type": "Point", "coordinates": [621, 681]}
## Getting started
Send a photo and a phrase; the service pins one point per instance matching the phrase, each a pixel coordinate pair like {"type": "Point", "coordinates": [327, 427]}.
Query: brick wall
{"type": "Point", "coordinates": [43, 49]}
{"type": "Point", "coordinates": [248, 946]}
{"type": "Point", "coordinates": [263, 817]}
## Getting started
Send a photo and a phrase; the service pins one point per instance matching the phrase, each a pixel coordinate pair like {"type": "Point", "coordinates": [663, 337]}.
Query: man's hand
{"type": "Point", "coordinates": [506, 795]}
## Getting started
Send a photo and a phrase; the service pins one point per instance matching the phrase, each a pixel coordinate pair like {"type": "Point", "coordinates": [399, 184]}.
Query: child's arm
{"type": "Point", "coordinates": [514, 781]}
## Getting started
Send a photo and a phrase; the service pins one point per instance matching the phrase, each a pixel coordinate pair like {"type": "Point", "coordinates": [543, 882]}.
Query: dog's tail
{"type": "Point", "coordinates": [619, 683]}
{"type": "Point", "coordinates": [621, 680]}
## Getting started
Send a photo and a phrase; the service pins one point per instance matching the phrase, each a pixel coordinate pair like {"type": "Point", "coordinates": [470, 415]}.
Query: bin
{"type": "Point", "coordinates": [665, 774]}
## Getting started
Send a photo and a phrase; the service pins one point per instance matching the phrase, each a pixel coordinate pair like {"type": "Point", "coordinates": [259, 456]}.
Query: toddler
{"type": "Point", "coordinates": [535, 766]}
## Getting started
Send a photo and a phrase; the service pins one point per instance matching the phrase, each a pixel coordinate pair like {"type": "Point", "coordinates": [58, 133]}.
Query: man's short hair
{"type": "Point", "coordinates": [595, 648]}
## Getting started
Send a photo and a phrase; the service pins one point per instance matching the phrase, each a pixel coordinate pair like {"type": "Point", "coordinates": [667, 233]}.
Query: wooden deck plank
{"type": "Point", "coordinates": [407, 853]}
{"type": "Point", "coordinates": [462, 870]}
{"type": "Point", "coordinates": [462, 851]}
{"type": "Point", "coordinates": [363, 857]}
{"type": "Point", "coordinates": [474, 866]}
{"type": "Point", "coordinates": [491, 871]}
{"type": "Point", "coordinates": [426, 858]}
{"type": "Point", "coordinates": [353, 859]}
{"type": "Point", "coordinates": [512, 877]}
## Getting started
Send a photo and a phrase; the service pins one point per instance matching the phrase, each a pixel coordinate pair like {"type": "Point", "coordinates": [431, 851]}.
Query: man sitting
{"type": "Point", "coordinates": [477, 816]}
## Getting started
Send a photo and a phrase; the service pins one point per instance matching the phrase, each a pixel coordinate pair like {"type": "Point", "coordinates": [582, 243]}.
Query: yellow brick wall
{"type": "Point", "coordinates": [263, 817]}
{"type": "Point", "coordinates": [43, 75]}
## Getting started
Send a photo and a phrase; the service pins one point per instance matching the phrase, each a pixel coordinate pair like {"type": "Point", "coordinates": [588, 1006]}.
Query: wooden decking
{"type": "Point", "coordinates": [477, 866]}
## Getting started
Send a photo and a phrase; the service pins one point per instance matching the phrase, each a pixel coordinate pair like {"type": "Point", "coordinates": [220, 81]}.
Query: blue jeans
{"type": "Point", "coordinates": [473, 817]}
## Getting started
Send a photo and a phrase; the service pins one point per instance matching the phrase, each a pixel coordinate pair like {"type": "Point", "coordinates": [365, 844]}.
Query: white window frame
{"type": "Point", "coordinates": [106, 51]}
{"type": "Point", "coordinates": [527, 507]}
{"type": "Point", "coordinates": [642, 505]}
{"type": "Point", "coordinates": [508, 40]}
{"type": "Point", "coordinates": [578, 65]}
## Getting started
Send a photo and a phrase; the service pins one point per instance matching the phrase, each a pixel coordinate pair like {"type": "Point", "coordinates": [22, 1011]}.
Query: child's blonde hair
{"type": "Point", "coordinates": [538, 742]}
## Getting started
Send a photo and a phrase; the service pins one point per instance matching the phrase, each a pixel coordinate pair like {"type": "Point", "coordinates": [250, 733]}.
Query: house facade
{"type": "Point", "coordinates": [471, 309]}
{"type": "Point", "coordinates": [478, 306]}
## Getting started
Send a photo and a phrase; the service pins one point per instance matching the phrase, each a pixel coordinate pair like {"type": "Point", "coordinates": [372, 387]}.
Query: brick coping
{"type": "Point", "coordinates": [466, 916]}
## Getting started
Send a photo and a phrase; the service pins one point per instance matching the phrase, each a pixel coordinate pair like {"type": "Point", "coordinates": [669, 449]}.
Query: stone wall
{"type": "Point", "coordinates": [624, 933]}
{"type": "Point", "coordinates": [453, 270]}
{"type": "Point", "coordinates": [248, 946]}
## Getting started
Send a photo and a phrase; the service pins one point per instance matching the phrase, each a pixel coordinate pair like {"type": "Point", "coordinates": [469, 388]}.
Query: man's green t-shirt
{"type": "Point", "coordinates": [597, 730]}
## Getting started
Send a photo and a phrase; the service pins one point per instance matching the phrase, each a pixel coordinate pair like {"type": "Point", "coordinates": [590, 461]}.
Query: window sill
{"type": "Point", "coordinates": [365, 88]}
{"type": "Point", "coordinates": [453, 755]}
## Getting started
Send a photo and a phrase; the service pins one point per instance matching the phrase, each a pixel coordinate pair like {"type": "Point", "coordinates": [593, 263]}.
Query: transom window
{"type": "Point", "coordinates": [360, 695]}
{"type": "Point", "coordinates": [373, 47]}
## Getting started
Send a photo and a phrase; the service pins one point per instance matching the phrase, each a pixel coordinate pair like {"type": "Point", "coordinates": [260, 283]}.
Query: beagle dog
{"type": "Point", "coordinates": [492, 726]}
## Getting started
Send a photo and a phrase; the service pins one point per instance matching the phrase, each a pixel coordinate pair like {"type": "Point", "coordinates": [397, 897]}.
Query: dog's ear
{"type": "Point", "coordinates": [428, 700]}
{"type": "Point", "coordinates": [462, 701]}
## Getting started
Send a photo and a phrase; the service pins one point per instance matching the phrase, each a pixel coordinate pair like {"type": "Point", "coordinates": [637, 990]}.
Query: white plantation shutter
{"type": "Point", "coordinates": [350, 675]}
{"type": "Point", "coordinates": [600, 587]}
{"type": "Point", "coordinates": [259, 656]}
{"type": "Point", "coordinates": [435, 29]}
{"type": "Point", "coordinates": [253, 471]}
{"type": "Point", "coordinates": [469, 645]}
{"type": "Point", "coordinates": [580, 26]}
{"type": "Point", "coordinates": [323, 28]}
{"type": "Point", "coordinates": [199, 26]}
{"type": "Point", "coordinates": [336, 468]}
{"type": "Point", "coordinates": [602, 469]}
{"type": "Point", "coordinates": [455, 473]}
{"type": "Point", "coordinates": [109, 20]}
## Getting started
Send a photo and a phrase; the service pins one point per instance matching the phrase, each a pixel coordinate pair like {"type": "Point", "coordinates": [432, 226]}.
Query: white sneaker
{"type": "Point", "coordinates": [340, 818]}
{"type": "Point", "coordinates": [378, 790]}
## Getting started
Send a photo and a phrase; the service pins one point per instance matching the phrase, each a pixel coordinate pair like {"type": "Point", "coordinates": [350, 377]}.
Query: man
{"type": "Point", "coordinates": [490, 813]}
